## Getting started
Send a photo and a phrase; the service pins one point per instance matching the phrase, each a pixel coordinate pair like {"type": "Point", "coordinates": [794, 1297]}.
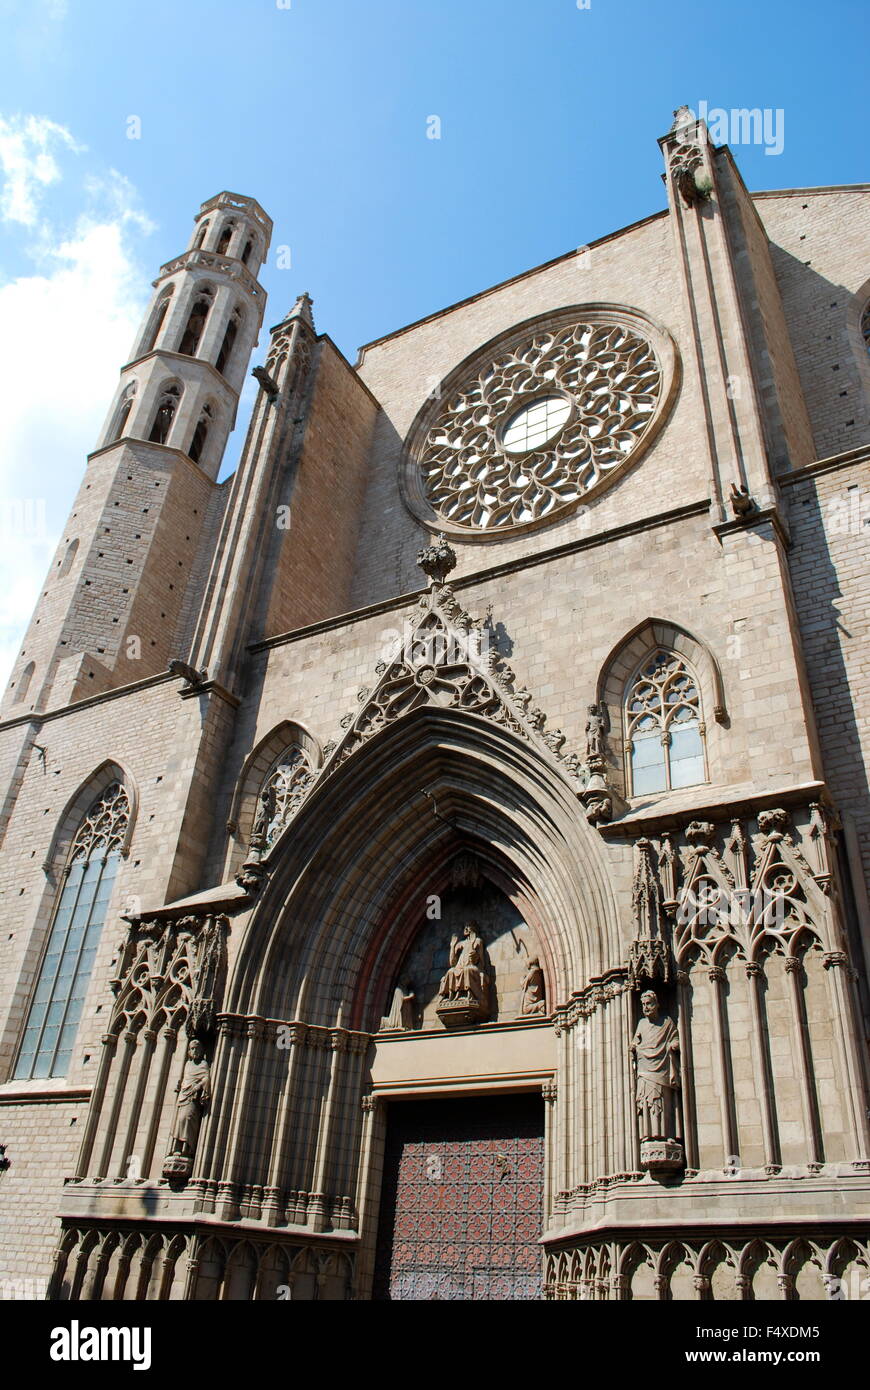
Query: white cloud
{"type": "Point", "coordinates": [28, 145]}
{"type": "Point", "coordinates": [67, 328]}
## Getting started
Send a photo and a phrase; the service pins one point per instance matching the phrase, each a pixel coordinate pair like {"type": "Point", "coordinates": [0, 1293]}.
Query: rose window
{"type": "Point", "coordinates": [539, 420]}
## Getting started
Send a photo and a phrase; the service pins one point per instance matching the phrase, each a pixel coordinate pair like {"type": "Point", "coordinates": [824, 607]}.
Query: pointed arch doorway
{"type": "Point", "coordinates": [462, 1199]}
{"type": "Point", "coordinates": [461, 1136]}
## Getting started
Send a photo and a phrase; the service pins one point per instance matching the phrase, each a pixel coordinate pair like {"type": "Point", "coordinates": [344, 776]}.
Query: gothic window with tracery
{"type": "Point", "coordinates": [282, 786]}
{"type": "Point", "coordinates": [56, 1007]}
{"type": "Point", "coordinates": [865, 326]}
{"type": "Point", "coordinates": [664, 728]}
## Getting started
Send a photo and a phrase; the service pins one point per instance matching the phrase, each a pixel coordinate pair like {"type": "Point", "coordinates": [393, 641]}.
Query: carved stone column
{"type": "Point", "coordinates": [809, 1102]}
{"type": "Point", "coordinates": [690, 1136]}
{"type": "Point", "coordinates": [839, 974]}
{"type": "Point", "coordinates": [716, 976]}
{"type": "Point", "coordinates": [110, 1043]}
{"type": "Point", "coordinates": [755, 975]}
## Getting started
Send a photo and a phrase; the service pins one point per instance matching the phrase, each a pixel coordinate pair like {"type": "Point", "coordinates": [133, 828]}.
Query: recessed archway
{"type": "Point", "coordinates": [394, 815]}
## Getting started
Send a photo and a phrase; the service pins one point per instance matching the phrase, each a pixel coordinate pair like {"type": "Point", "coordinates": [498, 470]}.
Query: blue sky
{"type": "Point", "coordinates": [320, 109]}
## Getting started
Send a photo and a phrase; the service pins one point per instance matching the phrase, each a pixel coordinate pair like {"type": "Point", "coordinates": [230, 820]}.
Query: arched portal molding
{"type": "Point", "coordinates": [424, 787]}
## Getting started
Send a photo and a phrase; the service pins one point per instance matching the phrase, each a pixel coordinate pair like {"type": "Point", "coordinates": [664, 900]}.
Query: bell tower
{"type": "Point", "coordinates": [182, 385]}
{"type": "Point", "coordinates": [112, 604]}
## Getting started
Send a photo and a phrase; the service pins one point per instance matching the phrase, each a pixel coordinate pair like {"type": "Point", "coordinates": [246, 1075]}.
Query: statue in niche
{"type": "Point", "coordinates": [533, 989]}
{"type": "Point", "coordinates": [655, 1050]}
{"type": "Point", "coordinates": [464, 990]}
{"type": "Point", "coordinates": [466, 974]}
{"type": "Point", "coordinates": [194, 1094]}
{"type": "Point", "coordinates": [263, 818]}
{"type": "Point", "coordinates": [596, 732]}
{"type": "Point", "coordinates": [401, 1014]}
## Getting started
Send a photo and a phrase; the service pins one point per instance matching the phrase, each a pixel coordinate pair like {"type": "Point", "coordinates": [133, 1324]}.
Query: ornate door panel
{"type": "Point", "coordinates": [462, 1200]}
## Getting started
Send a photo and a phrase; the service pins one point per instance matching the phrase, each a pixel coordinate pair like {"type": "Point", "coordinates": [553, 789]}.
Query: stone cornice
{"type": "Point", "coordinates": [329, 1037]}
{"type": "Point", "coordinates": [826, 465]}
{"type": "Point", "coordinates": [72, 1094]}
{"type": "Point", "coordinates": [212, 688]}
{"type": "Point", "coordinates": [128, 1221]}
{"type": "Point", "coordinates": [715, 805]}
{"type": "Point", "coordinates": [161, 449]}
{"type": "Point", "coordinates": [764, 516]}
{"type": "Point", "coordinates": [802, 192]}
{"type": "Point", "coordinates": [237, 202]}
{"type": "Point", "coordinates": [214, 263]}
{"type": "Point", "coordinates": [220, 380]}
{"type": "Point", "coordinates": [699, 1228]}
{"type": "Point", "coordinates": [38, 718]}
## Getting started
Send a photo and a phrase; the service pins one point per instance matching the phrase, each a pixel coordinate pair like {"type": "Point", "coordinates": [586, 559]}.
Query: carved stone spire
{"type": "Point", "coordinates": [302, 309]}
{"type": "Point", "coordinates": [648, 956]}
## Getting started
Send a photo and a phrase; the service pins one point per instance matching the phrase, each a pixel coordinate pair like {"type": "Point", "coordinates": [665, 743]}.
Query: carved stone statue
{"type": "Point", "coordinates": [534, 989]}
{"type": "Point", "coordinates": [263, 817]}
{"type": "Point", "coordinates": [194, 1094]}
{"type": "Point", "coordinates": [655, 1050]}
{"type": "Point", "coordinates": [742, 504]}
{"type": "Point", "coordinates": [466, 975]}
{"type": "Point", "coordinates": [464, 989]}
{"type": "Point", "coordinates": [596, 731]}
{"type": "Point", "coordinates": [401, 1014]}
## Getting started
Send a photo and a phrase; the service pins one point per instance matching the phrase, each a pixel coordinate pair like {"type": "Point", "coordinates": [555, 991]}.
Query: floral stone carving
{"type": "Point", "coordinates": [539, 420]}
{"type": "Point", "coordinates": [444, 660]}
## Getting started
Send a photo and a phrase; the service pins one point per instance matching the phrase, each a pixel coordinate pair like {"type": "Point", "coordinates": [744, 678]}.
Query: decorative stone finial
{"type": "Point", "coordinates": [649, 956]}
{"type": "Point", "coordinates": [437, 560]}
{"type": "Point", "coordinates": [684, 117]}
{"type": "Point", "coordinates": [773, 822]}
{"type": "Point", "coordinates": [302, 309]}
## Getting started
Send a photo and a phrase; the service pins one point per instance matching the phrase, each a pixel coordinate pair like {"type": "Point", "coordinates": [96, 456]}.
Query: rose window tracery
{"type": "Point", "coordinates": [535, 423]}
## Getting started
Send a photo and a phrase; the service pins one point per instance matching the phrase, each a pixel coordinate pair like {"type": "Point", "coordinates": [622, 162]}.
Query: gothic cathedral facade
{"type": "Point", "coordinates": [435, 858]}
